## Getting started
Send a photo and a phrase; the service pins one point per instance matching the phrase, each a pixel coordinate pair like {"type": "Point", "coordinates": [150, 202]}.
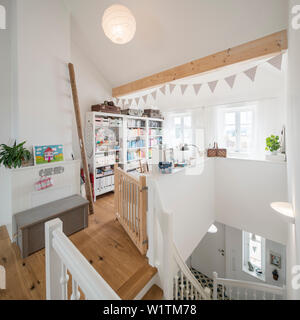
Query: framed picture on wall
{"type": "Point", "coordinates": [48, 154]}
{"type": "Point", "coordinates": [275, 259]}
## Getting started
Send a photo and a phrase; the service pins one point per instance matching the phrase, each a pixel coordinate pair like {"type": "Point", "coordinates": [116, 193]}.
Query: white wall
{"type": "Point", "coordinates": [44, 105]}
{"type": "Point", "coordinates": [191, 200]}
{"type": "Point", "coordinates": [6, 75]}
{"type": "Point", "coordinates": [293, 151]}
{"type": "Point", "coordinates": [244, 191]}
{"type": "Point", "coordinates": [92, 88]}
{"type": "Point", "coordinates": [207, 258]}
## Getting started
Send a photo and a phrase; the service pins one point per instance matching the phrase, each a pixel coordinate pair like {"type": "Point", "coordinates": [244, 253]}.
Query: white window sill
{"type": "Point", "coordinates": [237, 157]}
{"type": "Point", "coordinates": [254, 274]}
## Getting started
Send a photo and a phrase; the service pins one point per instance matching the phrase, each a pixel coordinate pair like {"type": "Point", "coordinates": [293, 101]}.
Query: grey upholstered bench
{"type": "Point", "coordinates": [73, 211]}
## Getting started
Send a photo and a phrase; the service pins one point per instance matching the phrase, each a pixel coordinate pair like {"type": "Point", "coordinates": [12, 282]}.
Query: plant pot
{"type": "Point", "coordinates": [274, 153]}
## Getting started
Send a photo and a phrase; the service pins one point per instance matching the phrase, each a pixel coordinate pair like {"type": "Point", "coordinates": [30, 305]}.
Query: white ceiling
{"type": "Point", "coordinates": [171, 32]}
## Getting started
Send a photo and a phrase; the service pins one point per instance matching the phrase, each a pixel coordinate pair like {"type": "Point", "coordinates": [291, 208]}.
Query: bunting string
{"type": "Point", "coordinates": [250, 73]}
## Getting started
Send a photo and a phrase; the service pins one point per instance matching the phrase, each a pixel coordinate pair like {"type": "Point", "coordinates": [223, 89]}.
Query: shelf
{"type": "Point", "coordinates": [135, 137]}
{"type": "Point", "coordinates": [107, 175]}
{"type": "Point", "coordinates": [112, 150]}
{"type": "Point", "coordinates": [138, 148]}
{"type": "Point", "coordinates": [140, 159]}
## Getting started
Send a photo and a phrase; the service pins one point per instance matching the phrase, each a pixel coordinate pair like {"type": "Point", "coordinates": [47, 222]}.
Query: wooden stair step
{"type": "Point", "coordinates": [154, 293]}
{"type": "Point", "coordinates": [130, 289]}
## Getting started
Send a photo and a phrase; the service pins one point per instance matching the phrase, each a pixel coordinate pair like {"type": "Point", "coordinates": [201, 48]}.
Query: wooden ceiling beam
{"type": "Point", "coordinates": [265, 46]}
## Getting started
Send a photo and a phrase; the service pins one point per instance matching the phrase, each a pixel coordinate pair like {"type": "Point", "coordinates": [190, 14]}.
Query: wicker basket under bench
{"type": "Point", "coordinates": [73, 211]}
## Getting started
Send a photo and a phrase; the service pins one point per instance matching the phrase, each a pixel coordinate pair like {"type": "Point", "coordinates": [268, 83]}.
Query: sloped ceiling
{"type": "Point", "coordinates": [171, 32]}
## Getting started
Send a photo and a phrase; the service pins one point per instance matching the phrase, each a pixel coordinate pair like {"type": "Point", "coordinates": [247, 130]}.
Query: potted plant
{"type": "Point", "coordinates": [15, 156]}
{"type": "Point", "coordinates": [273, 144]}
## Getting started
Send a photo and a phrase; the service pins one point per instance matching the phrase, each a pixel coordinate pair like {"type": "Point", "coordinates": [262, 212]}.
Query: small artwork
{"type": "Point", "coordinates": [48, 154]}
{"type": "Point", "coordinates": [275, 260]}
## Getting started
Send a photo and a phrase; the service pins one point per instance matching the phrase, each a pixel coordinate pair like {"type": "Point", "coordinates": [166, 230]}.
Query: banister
{"type": "Point", "coordinates": [62, 256]}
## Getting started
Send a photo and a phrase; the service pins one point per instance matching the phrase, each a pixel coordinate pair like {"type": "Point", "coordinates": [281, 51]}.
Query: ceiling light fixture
{"type": "Point", "coordinates": [285, 209]}
{"type": "Point", "coordinates": [213, 229]}
{"type": "Point", "coordinates": [119, 24]}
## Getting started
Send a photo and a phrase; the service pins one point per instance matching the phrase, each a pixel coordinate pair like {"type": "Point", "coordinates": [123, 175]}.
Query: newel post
{"type": "Point", "coordinates": [53, 262]}
{"type": "Point", "coordinates": [215, 286]}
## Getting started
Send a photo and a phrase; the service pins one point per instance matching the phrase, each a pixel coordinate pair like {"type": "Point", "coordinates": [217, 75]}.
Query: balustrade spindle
{"type": "Point", "coordinates": [182, 285]}
{"type": "Point", "coordinates": [75, 292]}
{"type": "Point", "coordinates": [64, 282]}
{"type": "Point", "coordinates": [176, 287]}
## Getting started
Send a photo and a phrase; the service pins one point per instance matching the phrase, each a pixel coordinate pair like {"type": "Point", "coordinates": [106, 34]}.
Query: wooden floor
{"type": "Point", "coordinates": [104, 243]}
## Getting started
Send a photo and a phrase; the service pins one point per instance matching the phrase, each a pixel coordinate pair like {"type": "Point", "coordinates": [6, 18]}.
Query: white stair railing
{"type": "Point", "coordinates": [177, 280]}
{"type": "Point", "coordinates": [245, 290]}
{"type": "Point", "coordinates": [63, 257]}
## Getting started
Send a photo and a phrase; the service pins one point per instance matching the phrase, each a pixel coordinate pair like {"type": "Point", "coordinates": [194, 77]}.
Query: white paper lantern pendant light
{"type": "Point", "coordinates": [119, 24]}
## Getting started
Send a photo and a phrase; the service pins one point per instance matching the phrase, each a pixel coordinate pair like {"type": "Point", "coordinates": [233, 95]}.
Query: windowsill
{"type": "Point", "coordinates": [248, 158]}
{"type": "Point", "coordinates": [254, 274]}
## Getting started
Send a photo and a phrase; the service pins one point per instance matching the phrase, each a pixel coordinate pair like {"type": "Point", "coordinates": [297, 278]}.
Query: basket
{"type": "Point", "coordinates": [216, 152]}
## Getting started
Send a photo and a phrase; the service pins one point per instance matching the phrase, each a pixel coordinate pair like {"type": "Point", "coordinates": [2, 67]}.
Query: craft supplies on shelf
{"type": "Point", "coordinates": [119, 139]}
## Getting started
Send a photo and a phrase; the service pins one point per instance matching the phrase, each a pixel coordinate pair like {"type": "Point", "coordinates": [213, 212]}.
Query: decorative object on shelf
{"type": "Point", "coordinates": [15, 156]}
{"type": "Point", "coordinates": [119, 24]}
{"type": "Point", "coordinates": [258, 271]}
{"type": "Point", "coordinates": [48, 154]}
{"type": "Point", "coordinates": [133, 112]}
{"type": "Point", "coordinates": [107, 106]}
{"type": "Point", "coordinates": [153, 113]}
{"type": "Point", "coordinates": [216, 152]}
{"type": "Point", "coordinates": [275, 274]}
{"type": "Point", "coordinates": [165, 167]}
{"type": "Point", "coordinates": [272, 144]}
{"type": "Point", "coordinates": [275, 260]}
{"type": "Point", "coordinates": [250, 266]}
{"type": "Point", "coordinates": [283, 140]}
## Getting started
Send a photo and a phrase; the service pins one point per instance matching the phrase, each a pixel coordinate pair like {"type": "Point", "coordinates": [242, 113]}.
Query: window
{"type": "Point", "coordinates": [182, 125]}
{"type": "Point", "coordinates": [237, 130]}
{"type": "Point", "coordinates": [254, 255]}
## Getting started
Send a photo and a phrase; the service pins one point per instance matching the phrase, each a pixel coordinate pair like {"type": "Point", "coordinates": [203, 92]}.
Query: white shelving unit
{"type": "Point", "coordinates": [133, 142]}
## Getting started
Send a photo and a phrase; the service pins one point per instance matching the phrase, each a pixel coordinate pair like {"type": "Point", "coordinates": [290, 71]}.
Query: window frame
{"type": "Point", "coordinates": [246, 256]}
{"type": "Point", "coordinates": [222, 125]}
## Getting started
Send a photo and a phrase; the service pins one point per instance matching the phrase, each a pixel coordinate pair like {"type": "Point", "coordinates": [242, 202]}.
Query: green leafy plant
{"type": "Point", "coordinates": [272, 143]}
{"type": "Point", "coordinates": [13, 157]}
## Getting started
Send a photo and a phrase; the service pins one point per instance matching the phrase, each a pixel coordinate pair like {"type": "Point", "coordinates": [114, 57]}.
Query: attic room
{"type": "Point", "coordinates": [149, 150]}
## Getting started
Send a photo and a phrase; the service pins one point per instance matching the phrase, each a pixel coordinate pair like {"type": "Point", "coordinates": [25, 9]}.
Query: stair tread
{"type": "Point", "coordinates": [136, 283]}
{"type": "Point", "coordinates": [154, 293]}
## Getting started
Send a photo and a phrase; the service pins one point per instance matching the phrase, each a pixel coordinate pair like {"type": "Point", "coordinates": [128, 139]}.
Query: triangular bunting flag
{"type": "Point", "coordinates": [145, 98]}
{"type": "Point", "coordinates": [163, 90]}
{"type": "Point", "coordinates": [117, 101]}
{"type": "Point", "coordinates": [230, 80]}
{"type": "Point", "coordinates": [197, 88]}
{"type": "Point", "coordinates": [130, 102]}
{"type": "Point", "coordinates": [212, 85]}
{"type": "Point", "coordinates": [172, 87]}
{"type": "Point", "coordinates": [183, 88]}
{"type": "Point", "coordinates": [137, 101]}
{"type": "Point", "coordinates": [154, 94]}
{"type": "Point", "coordinates": [251, 73]}
{"type": "Point", "coordinates": [276, 62]}
{"type": "Point", "coordinates": [122, 102]}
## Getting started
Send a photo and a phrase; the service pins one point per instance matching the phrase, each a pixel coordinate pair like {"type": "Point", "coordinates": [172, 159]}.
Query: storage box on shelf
{"type": "Point", "coordinates": [122, 139]}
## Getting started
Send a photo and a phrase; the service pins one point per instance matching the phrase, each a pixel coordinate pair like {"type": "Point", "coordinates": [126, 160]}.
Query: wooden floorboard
{"type": "Point", "coordinates": [104, 244]}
